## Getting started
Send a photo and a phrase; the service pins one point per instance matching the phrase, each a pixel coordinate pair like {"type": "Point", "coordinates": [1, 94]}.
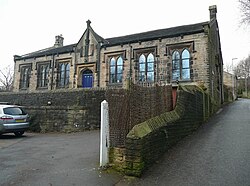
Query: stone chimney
{"type": "Point", "coordinates": [213, 12]}
{"type": "Point", "coordinates": [59, 41]}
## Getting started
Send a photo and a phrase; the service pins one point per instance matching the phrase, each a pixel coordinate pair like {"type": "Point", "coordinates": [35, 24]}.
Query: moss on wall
{"type": "Point", "coordinates": [147, 141]}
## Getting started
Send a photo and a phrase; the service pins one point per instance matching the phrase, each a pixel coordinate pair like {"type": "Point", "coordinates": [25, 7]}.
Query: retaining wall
{"type": "Point", "coordinates": [149, 140]}
{"type": "Point", "coordinates": [61, 110]}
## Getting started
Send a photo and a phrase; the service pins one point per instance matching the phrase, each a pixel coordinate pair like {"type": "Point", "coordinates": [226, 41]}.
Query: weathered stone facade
{"type": "Point", "coordinates": [189, 54]}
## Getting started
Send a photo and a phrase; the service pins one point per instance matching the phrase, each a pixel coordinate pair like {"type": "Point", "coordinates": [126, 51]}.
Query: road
{"type": "Point", "coordinates": [218, 154]}
{"type": "Point", "coordinates": [52, 160]}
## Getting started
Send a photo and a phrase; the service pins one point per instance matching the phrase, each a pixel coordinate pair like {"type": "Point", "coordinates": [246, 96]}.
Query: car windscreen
{"type": "Point", "coordinates": [14, 111]}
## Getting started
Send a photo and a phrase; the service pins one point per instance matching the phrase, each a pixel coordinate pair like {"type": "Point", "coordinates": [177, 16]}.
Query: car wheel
{"type": "Point", "coordinates": [19, 134]}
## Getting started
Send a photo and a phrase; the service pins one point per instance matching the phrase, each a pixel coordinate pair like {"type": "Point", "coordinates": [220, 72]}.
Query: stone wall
{"type": "Point", "coordinates": [61, 110]}
{"type": "Point", "coordinates": [215, 70]}
{"type": "Point", "coordinates": [147, 141]}
{"type": "Point", "coordinates": [128, 107]}
{"type": "Point", "coordinates": [199, 62]}
{"type": "Point", "coordinates": [34, 62]}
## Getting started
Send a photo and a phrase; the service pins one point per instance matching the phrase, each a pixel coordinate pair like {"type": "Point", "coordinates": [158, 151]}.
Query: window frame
{"type": "Point", "coordinates": [180, 65]}
{"type": "Point", "coordinates": [146, 71]}
{"type": "Point", "coordinates": [43, 75]}
{"type": "Point", "coordinates": [25, 72]}
{"type": "Point", "coordinates": [63, 80]}
{"type": "Point", "coordinates": [114, 71]}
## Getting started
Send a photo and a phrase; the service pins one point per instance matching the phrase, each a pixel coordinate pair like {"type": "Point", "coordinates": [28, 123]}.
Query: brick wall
{"type": "Point", "coordinates": [147, 141]}
{"type": "Point", "coordinates": [61, 110]}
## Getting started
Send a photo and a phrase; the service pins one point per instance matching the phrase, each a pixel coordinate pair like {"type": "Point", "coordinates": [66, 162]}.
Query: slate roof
{"type": "Point", "coordinates": [156, 34]}
{"type": "Point", "coordinates": [144, 36]}
{"type": "Point", "coordinates": [49, 51]}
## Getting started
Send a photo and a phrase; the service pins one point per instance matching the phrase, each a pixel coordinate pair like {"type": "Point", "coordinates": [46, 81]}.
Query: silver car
{"type": "Point", "coordinates": [13, 119]}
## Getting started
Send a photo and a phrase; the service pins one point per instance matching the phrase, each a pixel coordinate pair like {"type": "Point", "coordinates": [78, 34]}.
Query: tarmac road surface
{"type": "Point", "coordinates": [218, 154]}
{"type": "Point", "coordinates": [52, 160]}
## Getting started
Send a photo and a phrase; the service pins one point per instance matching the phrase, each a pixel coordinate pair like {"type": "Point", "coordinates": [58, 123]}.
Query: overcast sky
{"type": "Point", "coordinates": [30, 25]}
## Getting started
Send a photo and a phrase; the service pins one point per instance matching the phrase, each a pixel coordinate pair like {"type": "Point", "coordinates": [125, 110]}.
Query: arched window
{"type": "Point", "coordinates": [150, 67]}
{"type": "Point", "coordinates": [116, 70]}
{"type": "Point", "coordinates": [146, 68]}
{"type": "Point", "coordinates": [176, 65]}
{"type": "Point", "coordinates": [181, 65]}
{"type": "Point", "coordinates": [185, 56]}
{"type": "Point", "coordinates": [142, 68]}
{"type": "Point", "coordinates": [119, 69]}
{"type": "Point", "coordinates": [112, 70]}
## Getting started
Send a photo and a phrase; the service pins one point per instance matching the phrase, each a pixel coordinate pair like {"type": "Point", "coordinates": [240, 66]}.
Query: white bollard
{"type": "Point", "coordinates": [104, 135]}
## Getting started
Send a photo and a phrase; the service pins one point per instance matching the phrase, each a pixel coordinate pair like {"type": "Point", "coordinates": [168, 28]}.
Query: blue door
{"type": "Point", "coordinates": [87, 79]}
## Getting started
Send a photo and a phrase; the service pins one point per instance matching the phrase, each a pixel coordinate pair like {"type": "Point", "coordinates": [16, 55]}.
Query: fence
{"type": "Point", "coordinates": [147, 141]}
{"type": "Point", "coordinates": [135, 105]}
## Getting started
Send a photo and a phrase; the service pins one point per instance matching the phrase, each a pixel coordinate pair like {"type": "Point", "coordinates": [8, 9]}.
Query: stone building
{"type": "Point", "coordinates": [230, 81]}
{"type": "Point", "coordinates": [189, 54]}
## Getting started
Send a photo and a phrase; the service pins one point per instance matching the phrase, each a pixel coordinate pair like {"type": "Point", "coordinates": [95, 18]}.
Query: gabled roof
{"type": "Point", "coordinates": [157, 34]}
{"type": "Point", "coordinates": [144, 36]}
{"type": "Point", "coordinates": [49, 51]}
{"type": "Point", "coordinates": [98, 38]}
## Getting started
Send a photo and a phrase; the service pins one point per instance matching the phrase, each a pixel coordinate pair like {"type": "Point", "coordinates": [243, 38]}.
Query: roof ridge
{"type": "Point", "coordinates": [158, 34]}
{"type": "Point", "coordinates": [149, 31]}
{"type": "Point", "coordinates": [131, 38]}
{"type": "Point", "coordinates": [46, 49]}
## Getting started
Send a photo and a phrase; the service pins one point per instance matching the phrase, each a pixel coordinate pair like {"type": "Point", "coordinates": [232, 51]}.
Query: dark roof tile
{"type": "Point", "coordinates": [156, 34]}
{"type": "Point", "coordinates": [144, 36]}
{"type": "Point", "coordinates": [49, 51]}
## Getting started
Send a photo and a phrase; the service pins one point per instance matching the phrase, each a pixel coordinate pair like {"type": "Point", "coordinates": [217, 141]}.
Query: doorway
{"type": "Point", "coordinates": [87, 79]}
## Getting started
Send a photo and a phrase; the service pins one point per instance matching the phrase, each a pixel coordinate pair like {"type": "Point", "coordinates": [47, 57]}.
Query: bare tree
{"type": "Point", "coordinates": [6, 78]}
{"type": "Point", "coordinates": [243, 71]}
{"type": "Point", "coordinates": [228, 68]}
{"type": "Point", "coordinates": [245, 10]}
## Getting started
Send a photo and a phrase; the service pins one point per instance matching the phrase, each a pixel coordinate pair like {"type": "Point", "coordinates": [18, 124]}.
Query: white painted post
{"type": "Point", "coordinates": [104, 136]}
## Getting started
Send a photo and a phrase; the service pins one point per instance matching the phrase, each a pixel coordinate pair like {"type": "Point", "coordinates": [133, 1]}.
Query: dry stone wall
{"type": "Point", "coordinates": [61, 110]}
